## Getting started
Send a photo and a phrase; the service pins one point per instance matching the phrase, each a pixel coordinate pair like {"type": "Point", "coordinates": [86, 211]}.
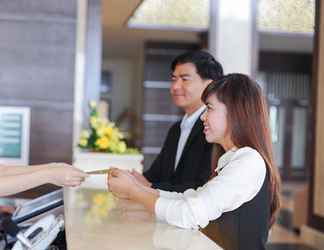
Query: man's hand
{"type": "Point", "coordinates": [141, 179]}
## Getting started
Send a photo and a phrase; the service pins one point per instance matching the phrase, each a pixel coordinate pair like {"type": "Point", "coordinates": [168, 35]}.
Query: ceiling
{"type": "Point", "coordinates": [120, 41]}
{"type": "Point", "coordinates": [116, 12]}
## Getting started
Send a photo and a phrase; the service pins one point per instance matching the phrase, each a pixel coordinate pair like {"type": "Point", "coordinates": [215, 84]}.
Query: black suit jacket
{"type": "Point", "coordinates": [194, 167]}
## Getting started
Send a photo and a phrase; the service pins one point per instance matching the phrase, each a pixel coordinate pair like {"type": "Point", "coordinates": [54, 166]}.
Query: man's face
{"type": "Point", "coordinates": [187, 87]}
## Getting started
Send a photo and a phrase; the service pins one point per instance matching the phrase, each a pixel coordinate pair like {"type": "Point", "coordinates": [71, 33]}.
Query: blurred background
{"type": "Point", "coordinates": [56, 56]}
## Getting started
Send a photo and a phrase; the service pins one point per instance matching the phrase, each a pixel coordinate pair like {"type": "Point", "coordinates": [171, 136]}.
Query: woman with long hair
{"type": "Point", "coordinates": [242, 197]}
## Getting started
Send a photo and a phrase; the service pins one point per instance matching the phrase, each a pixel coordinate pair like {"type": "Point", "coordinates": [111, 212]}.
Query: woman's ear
{"type": "Point", "coordinates": [208, 81]}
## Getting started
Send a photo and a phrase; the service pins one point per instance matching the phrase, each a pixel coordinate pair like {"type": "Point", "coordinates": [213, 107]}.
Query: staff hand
{"type": "Point", "coordinates": [61, 174]}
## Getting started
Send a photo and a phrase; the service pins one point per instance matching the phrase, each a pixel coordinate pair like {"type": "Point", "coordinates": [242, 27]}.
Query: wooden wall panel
{"type": "Point", "coordinates": [37, 48]}
{"type": "Point", "coordinates": [316, 157]}
{"type": "Point", "coordinates": [271, 61]}
{"type": "Point", "coordinates": [155, 133]}
{"type": "Point", "coordinates": [39, 8]}
{"type": "Point", "coordinates": [159, 67]}
{"type": "Point", "coordinates": [319, 118]}
{"type": "Point", "coordinates": [160, 101]}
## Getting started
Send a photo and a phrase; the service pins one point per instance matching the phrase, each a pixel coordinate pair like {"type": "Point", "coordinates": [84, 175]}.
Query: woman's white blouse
{"type": "Point", "coordinates": [241, 174]}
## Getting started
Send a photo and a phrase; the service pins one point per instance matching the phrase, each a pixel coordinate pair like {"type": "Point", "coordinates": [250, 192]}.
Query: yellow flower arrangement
{"type": "Point", "coordinates": [103, 135]}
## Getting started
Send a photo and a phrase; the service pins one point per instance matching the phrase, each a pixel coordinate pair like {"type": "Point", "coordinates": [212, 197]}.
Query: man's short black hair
{"type": "Point", "coordinates": [206, 65]}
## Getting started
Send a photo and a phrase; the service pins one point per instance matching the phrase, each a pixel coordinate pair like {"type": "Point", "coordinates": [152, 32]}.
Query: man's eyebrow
{"type": "Point", "coordinates": [184, 75]}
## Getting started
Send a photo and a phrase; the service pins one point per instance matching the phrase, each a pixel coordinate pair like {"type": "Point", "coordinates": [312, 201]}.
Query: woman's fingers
{"type": "Point", "coordinates": [81, 179]}
{"type": "Point", "coordinates": [75, 178]}
{"type": "Point", "coordinates": [74, 181]}
{"type": "Point", "coordinates": [82, 174]}
{"type": "Point", "coordinates": [114, 172]}
{"type": "Point", "coordinates": [78, 172]}
{"type": "Point", "coordinates": [73, 184]}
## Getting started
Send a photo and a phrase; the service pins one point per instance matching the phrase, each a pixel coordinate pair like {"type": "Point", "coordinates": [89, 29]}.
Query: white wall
{"type": "Point", "coordinates": [125, 82]}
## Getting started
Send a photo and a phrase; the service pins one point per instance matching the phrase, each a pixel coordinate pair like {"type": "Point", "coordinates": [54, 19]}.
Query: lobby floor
{"type": "Point", "coordinates": [284, 239]}
{"type": "Point", "coordinates": [283, 235]}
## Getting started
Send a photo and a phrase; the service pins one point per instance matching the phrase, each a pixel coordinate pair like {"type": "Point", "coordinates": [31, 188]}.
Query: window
{"type": "Point", "coordinates": [273, 15]}
{"type": "Point", "coordinates": [168, 14]}
{"type": "Point", "coordinates": [286, 15]}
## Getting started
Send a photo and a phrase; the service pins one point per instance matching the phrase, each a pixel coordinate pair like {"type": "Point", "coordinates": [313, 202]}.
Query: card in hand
{"type": "Point", "coordinates": [100, 171]}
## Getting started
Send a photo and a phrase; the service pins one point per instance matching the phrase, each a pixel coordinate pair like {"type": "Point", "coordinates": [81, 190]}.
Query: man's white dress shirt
{"type": "Point", "coordinates": [187, 123]}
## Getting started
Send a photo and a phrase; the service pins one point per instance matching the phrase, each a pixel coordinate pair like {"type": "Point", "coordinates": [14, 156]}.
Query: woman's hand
{"type": "Point", "coordinates": [141, 179]}
{"type": "Point", "coordinates": [121, 183]}
{"type": "Point", "coordinates": [61, 174]}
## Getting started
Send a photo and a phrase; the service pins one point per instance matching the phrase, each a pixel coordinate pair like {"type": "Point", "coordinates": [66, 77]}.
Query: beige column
{"type": "Point", "coordinates": [79, 77]}
{"type": "Point", "coordinates": [233, 35]}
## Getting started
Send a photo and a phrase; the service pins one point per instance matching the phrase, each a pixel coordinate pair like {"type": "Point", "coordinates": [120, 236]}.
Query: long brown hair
{"type": "Point", "coordinates": [248, 121]}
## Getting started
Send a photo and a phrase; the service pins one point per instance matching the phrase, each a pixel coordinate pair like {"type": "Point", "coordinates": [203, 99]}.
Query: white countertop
{"type": "Point", "coordinates": [95, 219]}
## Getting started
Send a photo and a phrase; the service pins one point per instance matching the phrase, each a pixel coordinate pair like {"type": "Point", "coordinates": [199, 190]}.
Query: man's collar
{"type": "Point", "coordinates": [189, 120]}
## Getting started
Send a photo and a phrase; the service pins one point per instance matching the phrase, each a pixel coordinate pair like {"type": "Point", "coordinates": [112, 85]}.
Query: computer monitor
{"type": "Point", "coordinates": [38, 206]}
{"type": "Point", "coordinates": [14, 135]}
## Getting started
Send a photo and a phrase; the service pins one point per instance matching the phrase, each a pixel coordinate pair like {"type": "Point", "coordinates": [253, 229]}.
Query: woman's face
{"type": "Point", "coordinates": [215, 121]}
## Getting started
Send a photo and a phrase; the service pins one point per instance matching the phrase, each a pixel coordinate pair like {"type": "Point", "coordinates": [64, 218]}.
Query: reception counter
{"type": "Point", "coordinates": [95, 219]}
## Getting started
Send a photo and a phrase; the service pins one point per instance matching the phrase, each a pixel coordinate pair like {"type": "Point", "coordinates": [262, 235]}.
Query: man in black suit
{"type": "Point", "coordinates": [184, 161]}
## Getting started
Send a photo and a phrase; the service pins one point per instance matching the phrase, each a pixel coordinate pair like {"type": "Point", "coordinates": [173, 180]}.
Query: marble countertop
{"type": "Point", "coordinates": [95, 219]}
